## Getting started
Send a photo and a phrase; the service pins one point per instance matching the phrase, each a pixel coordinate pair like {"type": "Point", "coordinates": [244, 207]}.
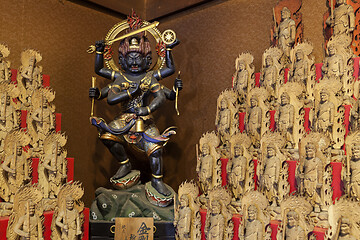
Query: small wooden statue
{"type": "Point", "coordinates": [286, 32]}
{"type": "Point", "coordinates": [218, 225]}
{"type": "Point", "coordinates": [5, 72]}
{"type": "Point", "coordinates": [352, 175]}
{"type": "Point", "coordinates": [16, 166]}
{"type": "Point", "coordinates": [208, 164]}
{"type": "Point", "coordinates": [52, 169]}
{"type": "Point", "coordinates": [26, 221]}
{"type": "Point", "coordinates": [68, 218]}
{"type": "Point", "coordinates": [256, 218]}
{"type": "Point", "coordinates": [30, 75]}
{"type": "Point", "coordinates": [243, 79]}
{"type": "Point", "coordinates": [187, 220]}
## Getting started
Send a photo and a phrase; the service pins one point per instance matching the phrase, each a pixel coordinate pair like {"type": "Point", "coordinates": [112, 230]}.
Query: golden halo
{"type": "Point", "coordinates": [122, 26]}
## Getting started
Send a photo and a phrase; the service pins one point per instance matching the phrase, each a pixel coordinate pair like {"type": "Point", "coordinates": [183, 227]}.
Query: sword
{"type": "Point", "coordinates": [93, 80]}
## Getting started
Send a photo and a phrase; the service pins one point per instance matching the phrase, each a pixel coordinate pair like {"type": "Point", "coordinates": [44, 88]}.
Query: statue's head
{"type": "Point", "coordinates": [285, 98]}
{"type": "Point", "coordinates": [205, 149]}
{"type": "Point", "coordinates": [215, 207]}
{"type": "Point", "coordinates": [184, 200]}
{"type": "Point", "coordinates": [355, 149]}
{"type": "Point", "coordinates": [340, 2]}
{"type": "Point", "coordinates": [299, 54]}
{"type": "Point", "coordinates": [135, 54]}
{"type": "Point", "coordinates": [238, 150]}
{"type": "Point", "coordinates": [270, 149]}
{"type": "Point", "coordinates": [253, 101]}
{"type": "Point", "coordinates": [268, 61]}
{"type": "Point", "coordinates": [69, 203]}
{"type": "Point", "coordinates": [324, 95]}
{"type": "Point", "coordinates": [285, 13]}
{"type": "Point", "coordinates": [345, 226]}
{"type": "Point", "coordinates": [241, 66]}
{"type": "Point", "coordinates": [252, 212]}
{"type": "Point", "coordinates": [331, 49]}
{"type": "Point", "coordinates": [292, 218]}
{"type": "Point", "coordinates": [223, 103]}
{"type": "Point", "coordinates": [310, 150]}
{"type": "Point", "coordinates": [18, 150]}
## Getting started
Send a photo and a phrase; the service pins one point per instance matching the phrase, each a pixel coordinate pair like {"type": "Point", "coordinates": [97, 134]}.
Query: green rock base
{"type": "Point", "coordinates": [132, 202]}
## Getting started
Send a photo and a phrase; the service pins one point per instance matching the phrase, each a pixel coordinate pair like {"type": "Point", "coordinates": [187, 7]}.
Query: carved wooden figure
{"type": "Point", "coordinates": [237, 167]}
{"type": "Point", "coordinates": [30, 75]}
{"type": "Point", "coordinates": [342, 19]}
{"type": "Point", "coordinates": [286, 32]}
{"type": "Point", "coordinates": [227, 122]}
{"type": "Point", "coordinates": [187, 214]}
{"type": "Point", "coordinates": [26, 220]}
{"type": "Point", "coordinates": [52, 169]}
{"type": "Point", "coordinates": [295, 213]}
{"type": "Point", "coordinates": [256, 217]}
{"type": "Point", "coordinates": [272, 71]}
{"type": "Point", "coordinates": [218, 225]}
{"type": "Point", "coordinates": [244, 78]}
{"type": "Point", "coordinates": [328, 119]}
{"type": "Point", "coordinates": [68, 217]}
{"type": "Point", "coordinates": [16, 166]}
{"type": "Point", "coordinates": [41, 120]}
{"type": "Point", "coordinates": [344, 218]}
{"type": "Point", "coordinates": [9, 117]}
{"type": "Point", "coordinates": [352, 164]}
{"type": "Point", "coordinates": [208, 163]}
{"type": "Point", "coordinates": [5, 72]}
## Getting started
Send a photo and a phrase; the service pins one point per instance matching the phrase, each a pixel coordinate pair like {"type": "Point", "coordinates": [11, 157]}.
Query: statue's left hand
{"type": "Point", "coordinates": [172, 45]}
{"type": "Point", "coordinates": [178, 84]}
{"type": "Point", "coordinates": [141, 111]}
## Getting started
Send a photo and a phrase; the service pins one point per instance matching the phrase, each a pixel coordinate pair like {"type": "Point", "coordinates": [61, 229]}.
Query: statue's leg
{"type": "Point", "coordinates": [156, 165]}
{"type": "Point", "coordinates": [118, 151]}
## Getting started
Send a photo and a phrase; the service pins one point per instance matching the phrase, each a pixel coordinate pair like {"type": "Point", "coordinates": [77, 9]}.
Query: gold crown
{"type": "Point", "coordinates": [134, 44]}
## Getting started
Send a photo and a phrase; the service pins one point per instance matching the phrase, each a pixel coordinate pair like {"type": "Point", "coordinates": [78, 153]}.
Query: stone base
{"type": "Point", "coordinates": [127, 181]}
{"type": "Point", "coordinates": [132, 202]}
{"type": "Point", "coordinates": [157, 198]}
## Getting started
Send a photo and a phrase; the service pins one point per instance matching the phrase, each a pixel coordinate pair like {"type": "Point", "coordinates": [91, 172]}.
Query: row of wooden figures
{"type": "Point", "coordinates": [26, 216]}
{"type": "Point", "coordinates": [315, 171]}
{"type": "Point", "coordinates": [220, 217]}
{"type": "Point", "coordinates": [327, 104]}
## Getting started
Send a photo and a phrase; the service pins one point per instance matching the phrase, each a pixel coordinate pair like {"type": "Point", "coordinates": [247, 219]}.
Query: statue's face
{"type": "Point", "coordinates": [252, 213]}
{"type": "Point", "coordinates": [310, 152]}
{"type": "Point", "coordinates": [215, 207]}
{"type": "Point", "coordinates": [345, 228]}
{"type": "Point", "coordinates": [223, 104]}
{"type": "Point", "coordinates": [284, 99]}
{"type": "Point", "coordinates": [268, 61]}
{"type": "Point", "coordinates": [135, 62]}
{"type": "Point", "coordinates": [205, 149]}
{"type": "Point", "coordinates": [285, 14]}
{"type": "Point", "coordinates": [324, 96]}
{"type": "Point", "coordinates": [332, 50]}
{"type": "Point", "coordinates": [58, 152]}
{"type": "Point", "coordinates": [339, 2]}
{"type": "Point", "coordinates": [241, 67]}
{"type": "Point", "coordinates": [270, 151]}
{"type": "Point", "coordinates": [291, 219]}
{"type": "Point", "coordinates": [19, 151]}
{"type": "Point", "coordinates": [253, 102]}
{"type": "Point", "coordinates": [237, 150]}
{"type": "Point", "coordinates": [70, 204]}
{"type": "Point", "coordinates": [299, 55]}
{"type": "Point", "coordinates": [184, 202]}
{"type": "Point", "coordinates": [356, 151]}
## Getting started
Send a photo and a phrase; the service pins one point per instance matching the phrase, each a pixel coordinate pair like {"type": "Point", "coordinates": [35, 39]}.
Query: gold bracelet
{"type": "Point", "coordinates": [159, 74]}
{"type": "Point", "coordinates": [129, 94]}
{"type": "Point", "coordinates": [174, 89]}
{"type": "Point", "coordinates": [99, 96]}
{"type": "Point", "coordinates": [149, 111]}
{"type": "Point", "coordinates": [116, 86]}
{"type": "Point", "coordinates": [99, 52]}
{"type": "Point", "coordinates": [157, 176]}
{"type": "Point", "coordinates": [168, 49]}
{"type": "Point", "coordinates": [112, 75]}
{"type": "Point", "coordinates": [126, 161]}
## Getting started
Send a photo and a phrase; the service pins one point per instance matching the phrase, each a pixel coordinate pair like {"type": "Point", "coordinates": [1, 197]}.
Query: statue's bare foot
{"type": "Point", "coordinates": [123, 170]}
{"type": "Point", "coordinates": [159, 185]}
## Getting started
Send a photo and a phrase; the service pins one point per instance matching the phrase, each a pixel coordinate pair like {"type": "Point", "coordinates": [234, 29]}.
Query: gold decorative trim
{"type": "Point", "coordinates": [109, 136]}
{"type": "Point", "coordinates": [99, 52]}
{"type": "Point", "coordinates": [113, 75]}
{"type": "Point", "coordinates": [149, 110]}
{"type": "Point", "coordinates": [127, 91]}
{"type": "Point", "coordinates": [157, 176]}
{"type": "Point", "coordinates": [150, 151]}
{"type": "Point", "coordinates": [124, 162]}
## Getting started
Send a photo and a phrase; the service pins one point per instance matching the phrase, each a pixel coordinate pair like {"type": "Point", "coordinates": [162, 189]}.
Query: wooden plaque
{"type": "Point", "coordinates": [134, 228]}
